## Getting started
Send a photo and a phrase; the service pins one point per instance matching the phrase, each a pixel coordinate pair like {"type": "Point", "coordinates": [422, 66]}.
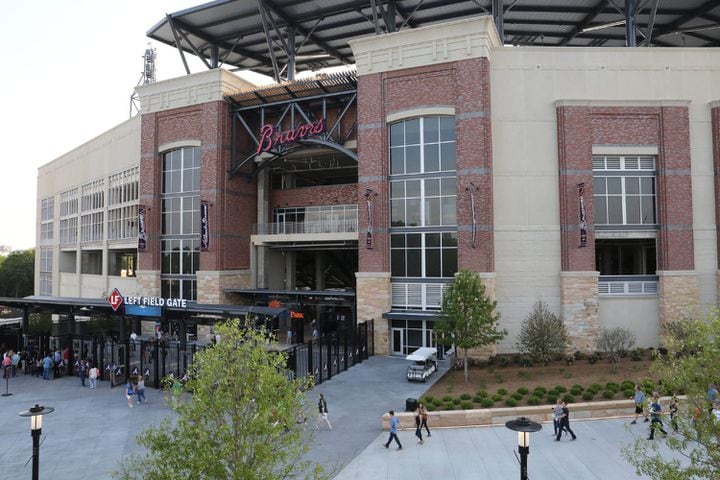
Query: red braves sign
{"type": "Point", "coordinates": [115, 299]}
{"type": "Point", "coordinates": [270, 139]}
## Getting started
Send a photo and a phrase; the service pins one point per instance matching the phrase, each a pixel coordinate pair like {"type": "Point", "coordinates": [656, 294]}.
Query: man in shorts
{"type": "Point", "coordinates": [639, 398]}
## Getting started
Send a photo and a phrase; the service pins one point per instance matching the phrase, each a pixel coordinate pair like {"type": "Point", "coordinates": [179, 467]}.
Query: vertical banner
{"type": "Point", "coordinates": [369, 194]}
{"type": "Point", "coordinates": [142, 232]}
{"type": "Point", "coordinates": [472, 188]}
{"type": "Point", "coordinates": [204, 226]}
{"type": "Point", "coordinates": [583, 223]}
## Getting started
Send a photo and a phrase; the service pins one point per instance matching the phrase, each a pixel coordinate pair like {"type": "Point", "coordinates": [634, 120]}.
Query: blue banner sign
{"type": "Point", "coordinates": [143, 310]}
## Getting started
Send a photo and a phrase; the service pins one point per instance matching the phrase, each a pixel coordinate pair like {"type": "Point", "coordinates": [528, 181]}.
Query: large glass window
{"type": "Point", "coordinates": [422, 145]}
{"type": "Point", "coordinates": [122, 263]}
{"type": "Point", "coordinates": [625, 257]}
{"type": "Point", "coordinates": [47, 214]}
{"type": "Point", "coordinates": [91, 262]}
{"type": "Point", "coordinates": [431, 255]}
{"type": "Point", "coordinates": [624, 190]}
{"type": "Point", "coordinates": [180, 244]}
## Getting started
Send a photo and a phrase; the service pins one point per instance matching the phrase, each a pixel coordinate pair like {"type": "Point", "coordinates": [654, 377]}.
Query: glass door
{"type": "Point", "coordinates": [398, 343]}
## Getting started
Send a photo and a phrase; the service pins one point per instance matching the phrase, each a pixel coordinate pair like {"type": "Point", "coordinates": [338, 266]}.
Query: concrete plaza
{"type": "Point", "coordinates": [92, 430]}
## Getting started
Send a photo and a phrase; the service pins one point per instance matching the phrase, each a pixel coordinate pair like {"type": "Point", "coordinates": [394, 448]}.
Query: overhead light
{"type": "Point", "coordinates": [602, 26]}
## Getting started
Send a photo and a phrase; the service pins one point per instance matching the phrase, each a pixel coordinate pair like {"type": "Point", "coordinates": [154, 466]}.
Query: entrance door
{"type": "Point", "coordinates": [398, 343]}
{"type": "Point", "coordinates": [280, 223]}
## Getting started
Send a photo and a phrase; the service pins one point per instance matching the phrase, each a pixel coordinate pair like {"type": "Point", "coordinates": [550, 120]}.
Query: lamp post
{"type": "Point", "coordinates": [524, 427]}
{"type": "Point", "coordinates": [36, 413]}
{"type": "Point", "coordinates": [6, 373]}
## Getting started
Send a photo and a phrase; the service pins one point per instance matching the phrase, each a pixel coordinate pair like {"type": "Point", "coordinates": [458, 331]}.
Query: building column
{"type": "Point", "coordinates": [373, 299]}
{"type": "Point", "coordinates": [679, 292]}
{"type": "Point", "coordinates": [290, 269]}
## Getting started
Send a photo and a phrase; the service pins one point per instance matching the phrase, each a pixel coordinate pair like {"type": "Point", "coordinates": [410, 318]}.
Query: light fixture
{"type": "Point", "coordinates": [524, 427]}
{"type": "Point", "coordinates": [603, 26]}
{"type": "Point", "coordinates": [36, 413]}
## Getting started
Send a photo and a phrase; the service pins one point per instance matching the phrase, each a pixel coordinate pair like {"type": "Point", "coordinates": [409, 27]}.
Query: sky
{"type": "Point", "coordinates": [68, 70]}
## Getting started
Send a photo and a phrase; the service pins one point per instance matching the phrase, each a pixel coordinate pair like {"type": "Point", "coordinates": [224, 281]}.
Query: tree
{"type": "Point", "coordinates": [17, 273]}
{"type": "Point", "coordinates": [468, 317]}
{"type": "Point", "coordinates": [543, 334]}
{"type": "Point", "coordinates": [238, 422]}
{"type": "Point", "coordinates": [616, 343]}
{"type": "Point", "coordinates": [691, 364]}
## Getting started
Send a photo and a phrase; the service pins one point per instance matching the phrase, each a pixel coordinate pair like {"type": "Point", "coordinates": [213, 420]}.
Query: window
{"type": "Point", "coordinates": [47, 214]}
{"type": "Point", "coordinates": [625, 257]}
{"type": "Point", "coordinates": [91, 227]}
{"type": "Point", "coordinates": [180, 216]}
{"type": "Point", "coordinates": [92, 195]}
{"type": "Point", "coordinates": [91, 262]}
{"type": "Point", "coordinates": [68, 216]}
{"type": "Point", "coordinates": [46, 268]}
{"type": "Point", "coordinates": [122, 263]}
{"type": "Point", "coordinates": [69, 203]}
{"type": "Point", "coordinates": [123, 187]}
{"type": "Point", "coordinates": [624, 190]}
{"type": "Point", "coordinates": [68, 230]}
{"type": "Point", "coordinates": [122, 222]}
{"type": "Point", "coordinates": [68, 262]}
{"type": "Point", "coordinates": [423, 211]}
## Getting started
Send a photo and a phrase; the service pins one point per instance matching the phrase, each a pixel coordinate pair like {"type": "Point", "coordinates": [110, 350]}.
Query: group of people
{"type": "Point", "coordinates": [10, 363]}
{"type": "Point", "coordinates": [135, 386]}
{"type": "Point", "coordinates": [654, 412]}
{"type": "Point", "coordinates": [421, 418]}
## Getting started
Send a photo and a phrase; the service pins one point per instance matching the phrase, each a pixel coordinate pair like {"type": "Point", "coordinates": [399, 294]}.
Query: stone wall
{"type": "Point", "coordinates": [211, 285]}
{"type": "Point", "coordinates": [679, 295]}
{"type": "Point", "coordinates": [579, 308]}
{"type": "Point", "coordinates": [148, 282]}
{"type": "Point", "coordinates": [373, 299]}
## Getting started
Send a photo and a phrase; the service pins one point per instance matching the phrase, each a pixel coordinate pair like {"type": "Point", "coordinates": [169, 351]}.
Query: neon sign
{"type": "Point", "coordinates": [270, 139]}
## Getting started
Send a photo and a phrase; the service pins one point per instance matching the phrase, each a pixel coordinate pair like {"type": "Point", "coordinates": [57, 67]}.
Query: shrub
{"type": "Point", "coordinates": [578, 355]}
{"type": "Point", "coordinates": [481, 393]}
{"type": "Point", "coordinates": [577, 386]}
{"type": "Point", "coordinates": [597, 387]}
{"type": "Point", "coordinates": [517, 396]}
{"type": "Point", "coordinates": [465, 396]}
{"type": "Point", "coordinates": [523, 391]}
{"type": "Point", "coordinates": [542, 334]}
{"type": "Point", "coordinates": [511, 402]}
{"type": "Point", "coordinates": [534, 400]}
{"type": "Point", "coordinates": [499, 377]}
{"type": "Point", "coordinates": [497, 398]}
{"type": "Point", "coordinates": [560, 389]}
{"type": "Point", "coordinates": [428, 399]}
{"type": "Point", "coordinates": [627, 384]}
{"type": "Point", "coordinates": [629, 392]}
{"type": "Point", "coordinates": [647, 383]}
{"type": "Point", "coordinates": [456, 401]}
{"type": "Point", "coordinates": [588, 395]}
{"type": "Point", "coordinates": [568, 398]}
{"type": "Point", "coordinates": [526, 361]}
{"type": "Point", "coordinates": [478, 399]}
{"type": "Point", "coordinates": [593, 358]}
{"type": "Point", "coordinates": [467, 405]}
{"type": "Point", "coordinates": [612, 386]}
{"type": "Point", "coordinates": [503, 361]}
{"type": "Point", "coordinates": [447, 398]}
{"type": "Point", "coordinates": [437, 402]}
{"type": "Point", "coordinates": [501, 391]}
{"type": "Point", "coordinates": [431, 407]}
{"type": "Point", "coordinates": [553, 393]}
{"type": "Point", "coordinates": [609, 394]}
{"type": "Point", "coordinates": [576, 391]}
{"type": "Point", "coordinates": [487, 403]}
{"type": "Point", "coordinates": [551, 399]}
{"type": "Point", "coordinates": [637, 354]}
{"type": "Point", "coordinates": [615, 342]}
{"type": "Point", "coordinates": [449, 406]}
{"type": "Point", "coordinates": [541, 390]}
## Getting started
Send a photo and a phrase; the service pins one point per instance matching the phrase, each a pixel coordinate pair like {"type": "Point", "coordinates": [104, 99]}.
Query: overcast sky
{"type": "Point", "coordinates": [69, 68]}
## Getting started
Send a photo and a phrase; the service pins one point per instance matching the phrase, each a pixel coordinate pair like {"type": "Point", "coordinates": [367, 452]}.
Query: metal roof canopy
{"type": "Point", "coordinates": [278, 37]}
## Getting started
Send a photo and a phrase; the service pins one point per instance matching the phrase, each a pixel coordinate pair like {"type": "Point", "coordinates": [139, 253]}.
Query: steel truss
{"type": "Point", "coordinates": [291, 114]}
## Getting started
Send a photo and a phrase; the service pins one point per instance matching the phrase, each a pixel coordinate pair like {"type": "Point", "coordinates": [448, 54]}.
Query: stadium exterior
{"type": "Point", "coordinates": [584, 177]}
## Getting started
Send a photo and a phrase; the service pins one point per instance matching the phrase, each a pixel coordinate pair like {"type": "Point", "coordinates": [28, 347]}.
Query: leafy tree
{"type": "Point", "coordinates": [698, 430]}
{"type": "Point", "coordinates": [239, 422]}
{"type": "Point", "coordinates": [468, 316]}
{"type": "Point", "coordinates": [17, 273]}
{"type": "Point", "coordinates": [543, 334]}
{"type": "Point", "coordinates": [615, 342]}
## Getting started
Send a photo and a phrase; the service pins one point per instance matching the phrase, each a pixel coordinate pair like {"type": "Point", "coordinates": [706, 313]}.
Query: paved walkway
{"type": "Point", "coordinates": [91, 430]}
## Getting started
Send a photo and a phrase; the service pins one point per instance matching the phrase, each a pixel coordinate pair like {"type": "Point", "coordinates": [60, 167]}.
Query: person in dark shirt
{"type": "Point", "coordinates": [655, 420]}
{"type": "Point", "coordinates": [565, 423]}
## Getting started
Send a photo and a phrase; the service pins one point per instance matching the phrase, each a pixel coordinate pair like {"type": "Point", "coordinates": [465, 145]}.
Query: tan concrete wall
{"type": "Point", "coordinates": [644, 310]}
{"type": "Point", "coordinates": [373, 299]}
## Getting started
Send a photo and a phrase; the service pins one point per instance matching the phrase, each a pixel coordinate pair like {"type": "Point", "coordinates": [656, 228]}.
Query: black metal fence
{"type": "Point", "coordinates": [332, 353]}
{"type": "Point", "coordinates": [323, 357]}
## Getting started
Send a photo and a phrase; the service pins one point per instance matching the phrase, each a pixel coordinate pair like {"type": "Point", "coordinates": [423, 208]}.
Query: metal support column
{"type": "Point", "coordinates": [290, 53]}
{"type": "Point", "coordinates": [498, 18]}
{"type": "Point", "coordinates": [630, 23]}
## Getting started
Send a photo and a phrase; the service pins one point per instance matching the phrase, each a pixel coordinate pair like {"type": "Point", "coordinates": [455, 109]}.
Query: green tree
{"type": "Point", "coordinates": [468, 316]}
{"type": "Point", "coordinates": [543, 334]}
{"type": "Point", "coordinates": [691, 364]}
{"type": "Point", "coordinates": [238, 422]}
{"type": "Point", "coordinates": [17, 273]}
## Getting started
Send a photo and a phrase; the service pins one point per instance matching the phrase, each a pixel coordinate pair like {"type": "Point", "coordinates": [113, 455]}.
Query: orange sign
{"type": "Point", "coordinates": [296, 314]}
{"type": "Point", "coordinates": [275, 304]}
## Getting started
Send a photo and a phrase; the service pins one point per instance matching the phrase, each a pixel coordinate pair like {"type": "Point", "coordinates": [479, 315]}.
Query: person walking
{"type": "Point", "coordinates": [93, 374]}
{"type": "Point", "coordinates": [673, 408]}
{"type": "Point", "coordinates": [424, 418]}
{"type": "Point", "coordinates": [418, 428]}
{"type": "Point", "coordinates": [15, 362]}
{"type": "Point", "coordinates": [564, 423]}
{"type": "Point", "coordinates": [82, 371]}
{"type": "Point", "coordinates": [47, 365]}
{"type": "Point", "coordinates": [557, 413]}
{"type": "Point", "coordinates": [322, 413]}
{"type": "Point", "coordinates": [639, 398]}
{"type": "Point", "coordinates": [394, 425]}
{"type": "Point", "coordinates": [140, 390]}
{"type": "Point", "coordinates": [129, 393]}
{"type": "Point", "coordinates": [656, 422]}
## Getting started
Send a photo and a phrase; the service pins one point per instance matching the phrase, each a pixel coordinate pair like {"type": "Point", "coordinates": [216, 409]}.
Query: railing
{"type": "Point", "coordinates": [628, 285]}
{"type": "Point", "coordinates": [295, 228]}
{"type": "Point", "coordinates": [418, 296]}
